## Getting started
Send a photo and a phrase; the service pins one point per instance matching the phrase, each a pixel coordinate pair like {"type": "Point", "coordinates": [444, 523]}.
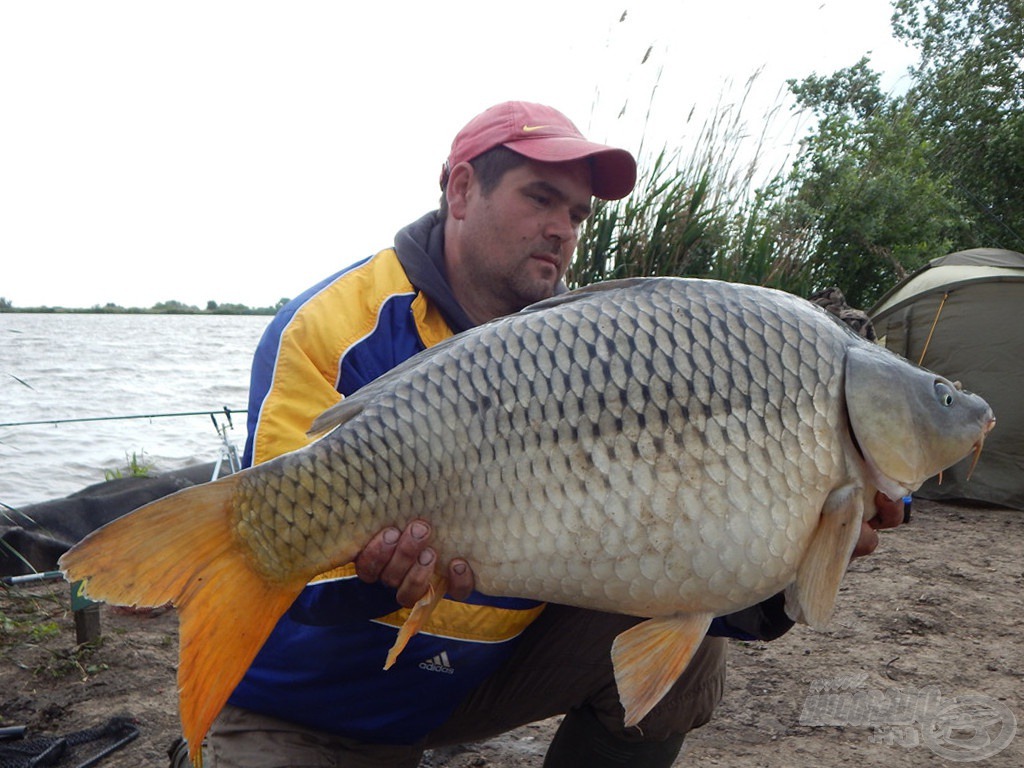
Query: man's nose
{"type": "Point", "coordinates": [560, 226]}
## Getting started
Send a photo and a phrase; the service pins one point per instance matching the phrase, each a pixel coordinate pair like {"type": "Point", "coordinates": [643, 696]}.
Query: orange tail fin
{"type": "Point", "coordinates": [182, 549]}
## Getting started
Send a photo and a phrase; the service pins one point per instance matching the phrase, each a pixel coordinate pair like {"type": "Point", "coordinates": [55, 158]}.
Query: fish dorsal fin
{"type": "Point", "coordinates": [585, 292]}
{"type": "Point", "coordinates": [650, 657]}
{"type": "Point", "coordinates": [336, 415]}
{"type": "Point", "coordinates": [812, 597]}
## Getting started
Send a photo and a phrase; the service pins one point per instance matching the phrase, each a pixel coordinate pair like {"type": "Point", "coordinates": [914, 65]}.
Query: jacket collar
{"type": "Point", "coordinates": [420, 249]}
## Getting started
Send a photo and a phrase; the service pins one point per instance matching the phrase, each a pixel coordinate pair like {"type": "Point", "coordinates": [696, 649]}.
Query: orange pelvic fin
{"type": "Point", "coordinates": [418, 616]}
{"type": "Point", "coordinates": [182, 549]}
{"type": "Point", "coordinates": [650, 657]}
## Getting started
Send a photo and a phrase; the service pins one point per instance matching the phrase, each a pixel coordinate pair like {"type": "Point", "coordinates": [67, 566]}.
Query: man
{"type": "Point", "coordinates": [517, 185]}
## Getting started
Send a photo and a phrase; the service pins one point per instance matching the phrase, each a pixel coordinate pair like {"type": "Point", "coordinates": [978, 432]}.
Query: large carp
{"type": "Point", "coordinates": [662, 447]}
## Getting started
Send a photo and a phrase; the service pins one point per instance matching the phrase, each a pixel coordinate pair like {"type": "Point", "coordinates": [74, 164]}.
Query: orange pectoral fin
{"type": "Point", "coordinates": [812, 597]}
{"type": "Point", "coordinates": [650, 657]}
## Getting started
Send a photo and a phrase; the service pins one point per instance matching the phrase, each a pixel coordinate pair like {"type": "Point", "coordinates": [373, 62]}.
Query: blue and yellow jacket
{"type": "Point", "coordinates": [322, 665]}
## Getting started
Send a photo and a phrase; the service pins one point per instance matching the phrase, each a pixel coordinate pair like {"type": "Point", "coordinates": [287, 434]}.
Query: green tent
{"type": "Point", "coordinates": [962, 316]}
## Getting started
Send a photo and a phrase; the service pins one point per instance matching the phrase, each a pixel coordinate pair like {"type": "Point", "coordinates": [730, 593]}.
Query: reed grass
{"type": "Point", "coordinates": [711, 210]}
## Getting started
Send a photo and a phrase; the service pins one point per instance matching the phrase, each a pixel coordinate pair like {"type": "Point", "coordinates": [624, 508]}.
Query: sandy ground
{"type": "Point", "coordinates": [921, 666]}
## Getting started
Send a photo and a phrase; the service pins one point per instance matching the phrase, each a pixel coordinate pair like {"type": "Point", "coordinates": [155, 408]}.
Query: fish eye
{"type": "Point", "coordinates": [944, 393]}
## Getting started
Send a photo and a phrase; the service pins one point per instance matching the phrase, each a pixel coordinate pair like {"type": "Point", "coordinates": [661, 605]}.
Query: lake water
{"type": "Point", "coordinates": [71, 366]}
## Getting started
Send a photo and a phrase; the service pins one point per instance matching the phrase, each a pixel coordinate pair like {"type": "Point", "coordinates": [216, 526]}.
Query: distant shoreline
{"type": "Point", "coordinates": [165, 308]}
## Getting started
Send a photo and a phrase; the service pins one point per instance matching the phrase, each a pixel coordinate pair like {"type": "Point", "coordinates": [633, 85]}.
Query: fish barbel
{"type": "Point", "coordinates": [669, 448]}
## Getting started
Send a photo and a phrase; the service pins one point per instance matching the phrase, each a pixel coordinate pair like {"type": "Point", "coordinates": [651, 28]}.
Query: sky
{"type": "Point", "coordinates": [241, 150]}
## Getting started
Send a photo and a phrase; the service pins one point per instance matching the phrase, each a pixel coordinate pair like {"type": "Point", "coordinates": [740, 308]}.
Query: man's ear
{"type": "Point", "coordinates": [460, 182]}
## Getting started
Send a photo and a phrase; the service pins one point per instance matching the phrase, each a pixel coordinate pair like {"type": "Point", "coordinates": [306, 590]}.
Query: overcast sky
{"type": "Point", "coordinates": [240, 151]}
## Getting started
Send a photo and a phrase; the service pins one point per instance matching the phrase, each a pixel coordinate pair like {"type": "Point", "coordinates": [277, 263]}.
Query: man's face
{"type": "Point", "coordinates": [515, 243]}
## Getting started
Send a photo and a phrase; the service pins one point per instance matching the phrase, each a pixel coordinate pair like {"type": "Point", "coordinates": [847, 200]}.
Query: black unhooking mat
{"type": "Point", "coordinates": [81, 749]}
{"type": "Point", "coordinates": [33, 537]}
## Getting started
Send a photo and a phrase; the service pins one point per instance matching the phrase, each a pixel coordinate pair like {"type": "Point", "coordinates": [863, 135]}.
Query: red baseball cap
{"type": "Point", "coordinates": [544, 134]}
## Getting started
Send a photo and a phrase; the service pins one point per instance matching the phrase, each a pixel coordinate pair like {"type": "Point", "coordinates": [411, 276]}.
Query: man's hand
{"type": "Point", "coordinates": [405, 561]}
{"type": "Point", "coordinates": [889, 515]}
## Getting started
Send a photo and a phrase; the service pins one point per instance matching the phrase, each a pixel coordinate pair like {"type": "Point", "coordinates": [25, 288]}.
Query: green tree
{"type": "Point", "coordinates": [173, 307]}
{"type": "Point", "coordinates": [969, 97]}
{"type": "Point", "coordinates": [866, 187]}
{"type": "Point", "coordinates": [889, 181]}
{"type": "Point", "coordinates": [882, 183]}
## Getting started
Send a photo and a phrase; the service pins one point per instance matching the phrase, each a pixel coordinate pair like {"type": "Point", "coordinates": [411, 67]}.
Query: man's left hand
{"type": "Point", "coordinates": [889, 515]}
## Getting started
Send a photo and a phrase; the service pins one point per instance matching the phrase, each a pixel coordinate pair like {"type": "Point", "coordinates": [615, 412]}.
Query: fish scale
{"type": "Point", "coordinates": [662, 447]}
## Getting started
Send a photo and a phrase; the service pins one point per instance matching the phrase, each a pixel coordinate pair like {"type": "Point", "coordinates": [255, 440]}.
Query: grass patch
{"type": "Point", "coordinates": [37, 632]}
{"type": "Point", "coordinates": [134, 466]}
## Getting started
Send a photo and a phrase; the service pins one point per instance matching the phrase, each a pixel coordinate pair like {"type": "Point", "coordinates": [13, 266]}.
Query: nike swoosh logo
{"type": "Point", "coordinates": [530, 128]}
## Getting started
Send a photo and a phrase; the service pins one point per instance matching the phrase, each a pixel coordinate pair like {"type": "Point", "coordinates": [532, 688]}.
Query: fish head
{"type": "Point", "coordinates": [909, 423]}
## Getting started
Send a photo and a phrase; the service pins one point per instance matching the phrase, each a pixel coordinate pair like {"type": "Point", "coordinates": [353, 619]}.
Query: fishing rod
{"type": "Point", "coordinates": [30, 578]}
{"type": "Point", "coordinates": [225, 410]}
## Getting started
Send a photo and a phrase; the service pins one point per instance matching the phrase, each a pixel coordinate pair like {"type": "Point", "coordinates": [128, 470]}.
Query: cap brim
{"type": "Point", "coordinates": [613, 171]}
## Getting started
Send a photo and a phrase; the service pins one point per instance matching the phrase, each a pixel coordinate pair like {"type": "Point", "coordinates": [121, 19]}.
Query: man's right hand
{"type": "Point", "coordinates": [405, 561]}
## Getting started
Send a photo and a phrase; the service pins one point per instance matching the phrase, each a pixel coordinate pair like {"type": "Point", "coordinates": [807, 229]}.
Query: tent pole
{"type": "Point", "coordinates": [920, 360]}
